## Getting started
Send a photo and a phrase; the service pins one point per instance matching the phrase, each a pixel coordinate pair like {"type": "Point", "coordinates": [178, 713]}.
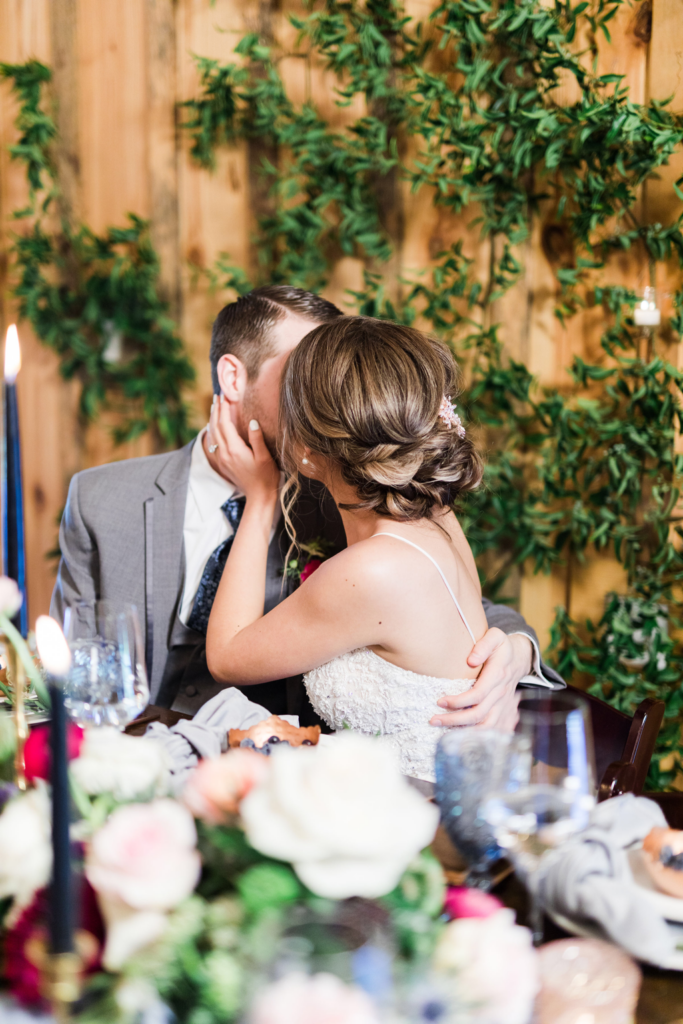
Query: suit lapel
{"type": "Point", "coordinates": [164, 554]}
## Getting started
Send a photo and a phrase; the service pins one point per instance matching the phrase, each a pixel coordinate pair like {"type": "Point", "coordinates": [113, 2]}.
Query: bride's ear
{"type": "Point", "coordinates": [306, 466]}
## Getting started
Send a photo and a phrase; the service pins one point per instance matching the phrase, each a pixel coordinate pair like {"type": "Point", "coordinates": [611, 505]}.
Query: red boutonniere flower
{"type": "Point", "coordinates": [310, 568]}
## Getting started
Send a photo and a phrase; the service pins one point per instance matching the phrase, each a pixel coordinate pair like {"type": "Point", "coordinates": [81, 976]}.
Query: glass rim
{"type": "Point", "coordinates": [554, 715]}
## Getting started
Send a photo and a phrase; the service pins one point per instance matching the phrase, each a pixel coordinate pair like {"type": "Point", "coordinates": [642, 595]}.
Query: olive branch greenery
{"type": "Point", "coordinates": [464, 104]}
{"type": "Point", "coordinates": [87, 295]}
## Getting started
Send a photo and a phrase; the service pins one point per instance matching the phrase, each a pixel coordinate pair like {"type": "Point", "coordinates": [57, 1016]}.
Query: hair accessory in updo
{"type": "Point", "coordinates": [450, 417]}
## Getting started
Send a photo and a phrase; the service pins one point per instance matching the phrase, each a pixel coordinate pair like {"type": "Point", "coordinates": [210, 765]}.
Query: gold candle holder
{"type": "Point", "coordinates": [61, 974]}
{"type": "Point", "coordinates": [16, 680]}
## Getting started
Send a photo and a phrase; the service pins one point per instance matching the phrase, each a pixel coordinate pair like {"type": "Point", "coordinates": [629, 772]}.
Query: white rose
{"type": "Point", "coordinates": [10, 597]}
{"type": "Point", "coordinates": [128, 767]}
{"type": "Point", "coordinates": [495, 967]}
{"type": "Point", "coordinates": [342, 814]}
{"type": "Point", "coordinates": [320, 999]}
{"type": "Point", "coordinates": [25, 847]}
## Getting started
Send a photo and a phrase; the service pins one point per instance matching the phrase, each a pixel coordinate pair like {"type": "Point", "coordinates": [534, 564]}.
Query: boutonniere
{"type": "Point", "coordinates": [311, 556]}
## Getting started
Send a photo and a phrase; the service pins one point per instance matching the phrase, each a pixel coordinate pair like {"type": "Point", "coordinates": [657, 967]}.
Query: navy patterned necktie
{"type": "Point", "coordinates": [211, 577]}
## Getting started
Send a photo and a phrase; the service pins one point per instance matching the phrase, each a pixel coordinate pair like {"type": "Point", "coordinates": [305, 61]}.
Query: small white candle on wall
{"type": "Point", "coordinates": [647, 312]}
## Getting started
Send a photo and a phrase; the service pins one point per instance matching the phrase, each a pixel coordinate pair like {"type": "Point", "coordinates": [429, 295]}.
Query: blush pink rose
{"type": "Point", "coordinates": [317, 999]}
{"type": "Point", "coordinates": [310, 568]}
{"type": "Point", "coordinates": [462, 902]}
{"type": "Point", "coordinates": [145, 856]}
{"type": "Point", "coordinates": [142, 863]}
{"type": "Point", "coordinates": [217, 786]}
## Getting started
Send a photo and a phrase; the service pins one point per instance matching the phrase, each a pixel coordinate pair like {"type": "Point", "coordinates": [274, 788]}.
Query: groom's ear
{"type": "Point", "coordinates": [232, 378]}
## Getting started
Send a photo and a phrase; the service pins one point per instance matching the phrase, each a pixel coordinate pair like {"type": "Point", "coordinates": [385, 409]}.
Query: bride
{"type": "Point", "coordinates": [383, 629]}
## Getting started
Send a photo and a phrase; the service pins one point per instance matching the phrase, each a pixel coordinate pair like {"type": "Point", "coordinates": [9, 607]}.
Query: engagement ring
{"type": "Point", "coordinates": [213, 448]}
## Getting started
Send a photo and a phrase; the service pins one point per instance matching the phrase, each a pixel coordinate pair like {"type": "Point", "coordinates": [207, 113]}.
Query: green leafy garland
{"type": "Point", "coordinates": [472, 89]}
{"type": "Point", "coordinates": [94, 299]}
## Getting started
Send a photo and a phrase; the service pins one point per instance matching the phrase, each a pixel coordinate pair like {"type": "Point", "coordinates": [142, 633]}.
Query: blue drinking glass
{"type": "Point", "coordinates": [467, 760]}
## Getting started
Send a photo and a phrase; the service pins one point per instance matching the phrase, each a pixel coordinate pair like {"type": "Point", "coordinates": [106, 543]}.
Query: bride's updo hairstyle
{"type": "Point", "coordinates": [367, 395]}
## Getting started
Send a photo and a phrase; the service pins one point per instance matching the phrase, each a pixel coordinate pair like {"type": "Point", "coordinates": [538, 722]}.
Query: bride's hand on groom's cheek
{"type": "Point", "coordinates": [249, 466]}
{"type": "Point", "coordinates": [492, 701]}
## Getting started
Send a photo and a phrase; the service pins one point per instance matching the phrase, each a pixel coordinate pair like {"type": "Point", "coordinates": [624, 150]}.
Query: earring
{"type": "Point", "coordinates": [304, 462]}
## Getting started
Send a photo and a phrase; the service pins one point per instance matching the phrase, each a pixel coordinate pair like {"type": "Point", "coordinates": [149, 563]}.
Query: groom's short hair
{"type": "Point", "coordinates": [245, 328]}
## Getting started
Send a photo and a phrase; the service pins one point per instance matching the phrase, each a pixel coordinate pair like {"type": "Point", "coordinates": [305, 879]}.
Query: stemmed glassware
{"type": "Point", "coordinates": [467, 763]}
{"type": "Point", "coordinates": [543, 790]}
{"type": "Point", "coordinates": [107, 684]}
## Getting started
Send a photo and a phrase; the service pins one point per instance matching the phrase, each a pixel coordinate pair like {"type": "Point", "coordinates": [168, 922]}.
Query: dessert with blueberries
{"type": "Point", "coordinates": [273, 732]}
{"type": "Point", "coordinates": [663, 854]}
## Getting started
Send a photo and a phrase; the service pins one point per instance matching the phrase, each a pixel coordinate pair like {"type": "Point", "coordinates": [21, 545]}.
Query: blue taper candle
{"type": "Point", "coordinates": [13, 545]}
{"type": "Point", "coordinates": [56, 658]}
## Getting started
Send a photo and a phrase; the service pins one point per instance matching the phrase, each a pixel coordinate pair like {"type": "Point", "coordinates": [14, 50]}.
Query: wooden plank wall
{"type": "Point", "coordinates": [120, 68]}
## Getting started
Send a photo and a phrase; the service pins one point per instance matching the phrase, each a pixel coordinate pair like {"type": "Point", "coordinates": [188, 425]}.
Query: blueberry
{"type": "Point", "coordinates": [273, 739]}
{"type": "Point", "coordinates": [307, 743]}
{"type": "Point", "coordinates": [249, 744]}
{"type": "Point", "coordinates": [433, 1010]}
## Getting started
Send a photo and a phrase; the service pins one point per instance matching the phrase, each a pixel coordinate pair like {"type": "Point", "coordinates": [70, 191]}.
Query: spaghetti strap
{"type": "Point", "coordinates": [384, 533]}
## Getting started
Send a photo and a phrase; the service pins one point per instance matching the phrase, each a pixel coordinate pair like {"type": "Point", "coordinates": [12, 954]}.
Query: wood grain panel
{"type": "Point", "coordinates": [119, 70]}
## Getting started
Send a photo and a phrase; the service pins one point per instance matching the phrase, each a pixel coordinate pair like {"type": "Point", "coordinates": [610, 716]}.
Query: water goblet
{"type": "Point", "coordinates": [107, 684]}
{"type": "Point", "coordinates": [543, 790]}
{"type": "Point", "coordinates": [467, 760]}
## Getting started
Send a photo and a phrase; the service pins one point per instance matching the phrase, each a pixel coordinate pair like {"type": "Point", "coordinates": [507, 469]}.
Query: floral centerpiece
{"type": "Point", "coordinates": [291, 888]}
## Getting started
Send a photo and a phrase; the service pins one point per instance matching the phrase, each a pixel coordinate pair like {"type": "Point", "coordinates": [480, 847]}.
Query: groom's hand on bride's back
{"type": "Point", "coordinates": [492, 702]}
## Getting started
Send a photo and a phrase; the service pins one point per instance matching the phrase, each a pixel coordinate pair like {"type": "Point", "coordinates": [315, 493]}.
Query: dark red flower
{"type": "Point", "coordinates": [310, 568]}
{"type": "Point", "coordinates": [20, 973]}
{"type": "Point", "coordinates": [37, 750]}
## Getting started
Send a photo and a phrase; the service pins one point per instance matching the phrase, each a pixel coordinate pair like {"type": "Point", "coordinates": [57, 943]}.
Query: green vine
{"type": "Point", "coordinates": [94, 299]}
{"type": "Point", "coordinates": [465, 106]}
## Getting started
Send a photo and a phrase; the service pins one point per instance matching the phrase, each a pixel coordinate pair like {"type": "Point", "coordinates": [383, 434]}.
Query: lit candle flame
{"type": "Point", "coordinates": [52, 647]}
{"type": "Point", "coordinates": [12, 354]}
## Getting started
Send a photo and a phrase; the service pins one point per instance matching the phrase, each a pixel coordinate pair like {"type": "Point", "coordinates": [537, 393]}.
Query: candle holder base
{"type": "Point", "coordinates": [61, 976]}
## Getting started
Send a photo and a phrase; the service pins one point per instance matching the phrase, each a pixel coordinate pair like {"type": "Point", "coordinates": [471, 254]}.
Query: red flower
{"type": "Point", "coordinates": [462, 902]}
{"type": "Point", "coordinates": [310, 568]}
{"type": "Point", "coordinates": [37, 750]}
{"type": "Point", "coordinates": [21, 974]}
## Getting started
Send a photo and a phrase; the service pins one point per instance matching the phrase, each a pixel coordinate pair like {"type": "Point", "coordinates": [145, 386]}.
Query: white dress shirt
{"type": "Point", "coordinates": [205, 525]}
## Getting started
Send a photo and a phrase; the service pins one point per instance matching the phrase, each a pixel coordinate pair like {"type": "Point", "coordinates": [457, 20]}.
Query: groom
{"type": "Point", "coordinates": [156, 532]}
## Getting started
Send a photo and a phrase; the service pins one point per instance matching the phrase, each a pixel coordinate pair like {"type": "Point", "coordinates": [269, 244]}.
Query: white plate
{"type": "Point", "coordinates": [670, 907]}
{"type": "Point", "coordinates": [590, 930]}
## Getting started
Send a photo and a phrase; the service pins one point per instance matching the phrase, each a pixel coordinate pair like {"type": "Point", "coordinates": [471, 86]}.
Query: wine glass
{"type": "Point", "coordinates": [544, 788]}
{"type": "Point", "coordinates": [467, 760]}
{"type": "Point", "coordinates": [107, 684]}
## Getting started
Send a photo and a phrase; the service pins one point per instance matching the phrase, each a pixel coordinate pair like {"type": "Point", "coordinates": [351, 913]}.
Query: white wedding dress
{"type": "Point", "coordinates": [364, 692]}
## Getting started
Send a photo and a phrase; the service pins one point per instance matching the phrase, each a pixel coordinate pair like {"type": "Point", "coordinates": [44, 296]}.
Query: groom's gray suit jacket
{"type": "Point", "coordinates": [121, 539]}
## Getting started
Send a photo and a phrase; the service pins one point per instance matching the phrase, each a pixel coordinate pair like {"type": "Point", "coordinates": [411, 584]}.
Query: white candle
{"type": "Point", "coordinates": [647, 315]}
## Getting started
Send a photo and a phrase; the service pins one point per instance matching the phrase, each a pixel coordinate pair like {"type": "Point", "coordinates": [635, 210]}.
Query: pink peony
{"type": "Point", "coordinates": [320, 999]}
{"type": "Point", "coordinates": [310, 568]}
{"type": "Point", "coordinates": [463, 902]}
{"type": "Point", "coordinates": [142, 863]}
{"type": "Point", "coordinates": [214, 791]}
{"type": "Point", "coordinates": [37, 754]}
{"type": "Point", "coordinates": [145, 855]}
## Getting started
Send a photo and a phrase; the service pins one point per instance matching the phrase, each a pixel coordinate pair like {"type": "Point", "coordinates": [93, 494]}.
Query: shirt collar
{"type": "Point", "coordinates": [208, 488]}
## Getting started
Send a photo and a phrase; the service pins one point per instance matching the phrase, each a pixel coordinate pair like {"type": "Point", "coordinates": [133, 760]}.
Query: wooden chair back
{"type": "Point", "coordinates": [623, 745]}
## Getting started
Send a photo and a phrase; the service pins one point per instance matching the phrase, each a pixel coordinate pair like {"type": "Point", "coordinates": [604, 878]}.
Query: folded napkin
{"type": "Point", "coordinates": [588, 878]}
{"type": "Point", "coordinates": [206, 735]}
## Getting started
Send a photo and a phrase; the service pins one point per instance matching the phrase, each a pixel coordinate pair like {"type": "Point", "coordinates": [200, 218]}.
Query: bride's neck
{"type": "Point", "coordinates": [358, 525]}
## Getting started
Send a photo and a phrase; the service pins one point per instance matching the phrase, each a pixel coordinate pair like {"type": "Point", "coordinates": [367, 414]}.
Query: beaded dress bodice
{"type": "Point", "coordinates": [362, 691]}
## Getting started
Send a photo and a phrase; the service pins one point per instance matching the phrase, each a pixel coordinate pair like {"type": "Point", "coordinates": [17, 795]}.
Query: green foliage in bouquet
{"type": "Point", "coordinates": [465, 106]}
{"type": "Point", "coordinates": [85, 293]}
